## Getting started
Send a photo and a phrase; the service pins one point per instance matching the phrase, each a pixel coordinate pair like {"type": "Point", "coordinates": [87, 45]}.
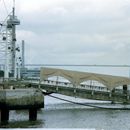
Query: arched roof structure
{"type": "Point", "coordinates": [76, 77]}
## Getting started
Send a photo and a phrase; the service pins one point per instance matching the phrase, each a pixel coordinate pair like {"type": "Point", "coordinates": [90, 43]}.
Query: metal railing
{"type": "Point", "coordinates": [52, 83]}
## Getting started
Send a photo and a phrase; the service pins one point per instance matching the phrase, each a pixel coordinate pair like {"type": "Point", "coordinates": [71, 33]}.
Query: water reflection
{"type": "Point", "coordinates": [23, 124]}
{"type": "Point", "coordinates": [20, 119]}
{"type": "Point", "coordinates": [67, 115]}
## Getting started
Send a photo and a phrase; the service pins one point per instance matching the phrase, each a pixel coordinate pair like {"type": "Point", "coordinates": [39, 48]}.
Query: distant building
{"type": "Point", "coordinates": [30, 73]}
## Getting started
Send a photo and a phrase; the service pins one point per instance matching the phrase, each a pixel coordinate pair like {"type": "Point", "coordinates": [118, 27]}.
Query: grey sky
{"type": "Point", "coordinates": [74, 31]}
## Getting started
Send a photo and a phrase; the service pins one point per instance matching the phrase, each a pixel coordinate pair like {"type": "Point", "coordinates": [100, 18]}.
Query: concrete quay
{"type": "Point", "coordinates": [20, 99]}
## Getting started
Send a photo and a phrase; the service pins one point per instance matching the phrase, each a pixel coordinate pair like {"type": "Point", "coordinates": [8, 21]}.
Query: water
{"type": "Point", "coordinates": [60, 114]}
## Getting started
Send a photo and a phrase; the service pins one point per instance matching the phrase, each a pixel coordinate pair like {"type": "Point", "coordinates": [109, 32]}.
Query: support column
{"type": "Point", "coordinates": [32, 114]}
{"type": "Point", "coordinates": [4, 115]}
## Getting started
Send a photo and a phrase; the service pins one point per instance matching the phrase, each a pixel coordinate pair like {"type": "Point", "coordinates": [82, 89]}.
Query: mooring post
{"type": "Point", "coordinates": [32, 114]}
{"type": "Point", "coordinates": [4, 115]}
{"type": "Point", "coordinates": [125, 94]}
{"type": "Point", "coordinates": [124, 89]}
{"type": "Point", "coordinates": [111, 94]}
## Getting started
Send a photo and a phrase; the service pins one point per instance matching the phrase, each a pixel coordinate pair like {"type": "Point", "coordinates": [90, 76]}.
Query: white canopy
{"type": "Point", "coordinates": [76, 77]}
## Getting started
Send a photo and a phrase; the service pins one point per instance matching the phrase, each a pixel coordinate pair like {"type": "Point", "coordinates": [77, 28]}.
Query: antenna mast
{"type": "Point", "coordinates": [13, 3]}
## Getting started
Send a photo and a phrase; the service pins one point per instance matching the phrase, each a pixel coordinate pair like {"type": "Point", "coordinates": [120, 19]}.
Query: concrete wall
{"type": "Point", "coordinates": [21, 98]}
